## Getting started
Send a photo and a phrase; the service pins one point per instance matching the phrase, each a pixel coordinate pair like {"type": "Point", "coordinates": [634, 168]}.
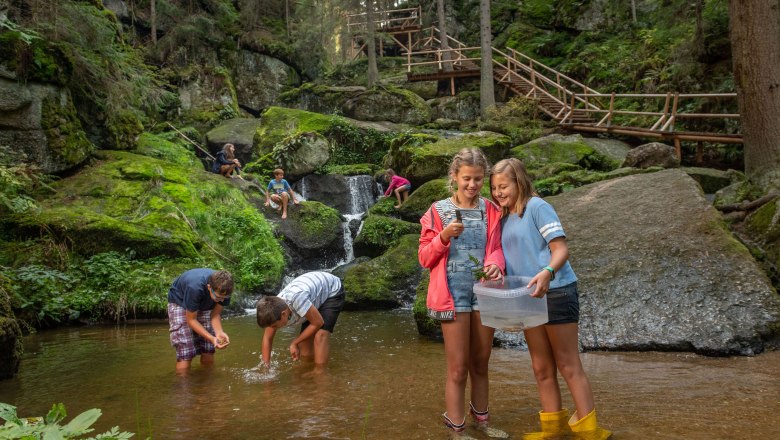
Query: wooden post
{"type": "Point", "coordinates": [678, 148]}
{"type": "Point", "coordinates": [699, 152]}
{"type": "Point", "coordinates": [452, 86]}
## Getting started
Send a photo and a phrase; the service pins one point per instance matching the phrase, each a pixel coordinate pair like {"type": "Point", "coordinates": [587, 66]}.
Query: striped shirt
{"type": "Point", "coordinates": [309, 289]}
{"type": "Point", "coordinates": [525, 242]}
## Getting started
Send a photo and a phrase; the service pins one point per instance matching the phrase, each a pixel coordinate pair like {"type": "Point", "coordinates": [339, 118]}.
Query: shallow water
{"type": "Point", "coordinates": [383, 382]}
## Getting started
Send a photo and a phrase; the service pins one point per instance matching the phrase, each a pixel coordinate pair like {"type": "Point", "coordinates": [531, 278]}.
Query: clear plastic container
{"type": "Point", "coordinates": [508, 305]}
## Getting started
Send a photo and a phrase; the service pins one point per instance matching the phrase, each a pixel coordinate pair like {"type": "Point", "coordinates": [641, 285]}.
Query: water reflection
{"type": "Point", "coordinates": [383, 382]}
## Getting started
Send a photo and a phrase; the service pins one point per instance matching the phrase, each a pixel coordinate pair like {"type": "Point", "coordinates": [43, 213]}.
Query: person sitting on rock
{"type": "Point", "coordinates": [280, 192]}
{"type": "Point", "coordinates": [226, 162]}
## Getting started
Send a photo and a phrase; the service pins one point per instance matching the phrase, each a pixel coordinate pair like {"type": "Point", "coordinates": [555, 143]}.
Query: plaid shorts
{"type": "Point", "coordinates": [187, 343]}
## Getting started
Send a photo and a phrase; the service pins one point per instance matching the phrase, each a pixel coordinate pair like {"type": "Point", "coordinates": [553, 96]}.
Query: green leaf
{"type": "Point", "coordinates": [8, 413]}
{"type": "Point", "coordinates": [56, 414]}
{"type": "Point", "coordinates": [82, 422]}
{"type": "Point", "coordinates": [52, 432]}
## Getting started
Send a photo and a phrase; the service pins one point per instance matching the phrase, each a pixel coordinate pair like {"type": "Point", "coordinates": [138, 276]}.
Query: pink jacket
{"type": "Point", "coordinates": [396, 182]}
{"type": "Point", "coordinates": [433, 254]}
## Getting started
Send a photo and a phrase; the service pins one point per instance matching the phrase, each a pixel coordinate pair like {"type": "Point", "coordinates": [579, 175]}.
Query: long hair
{"type": "Point", "coordinates": [471, 157]}
{"type": "Point", "coordinates": [515, 170]}
{"type": "Point", "coordinates": [229, 150]}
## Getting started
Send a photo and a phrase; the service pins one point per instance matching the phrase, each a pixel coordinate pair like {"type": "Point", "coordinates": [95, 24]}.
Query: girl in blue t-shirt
{"type": "Point", "coordinates": [534, 246]}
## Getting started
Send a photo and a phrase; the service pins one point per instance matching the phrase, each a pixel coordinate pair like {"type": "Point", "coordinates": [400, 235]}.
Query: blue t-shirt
{"type": "Point", "coordinates": [189, 291]}
{"type": "Point", "coordinates": [525, 242]}
{"type": "Point", "coordinates": [278, 187]}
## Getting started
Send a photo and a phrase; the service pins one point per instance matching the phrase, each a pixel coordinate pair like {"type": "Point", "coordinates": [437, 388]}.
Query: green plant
{"type": "Point", "coordinates": [478, 272]}
{"type": "Point", "coordinates": [49, 427]}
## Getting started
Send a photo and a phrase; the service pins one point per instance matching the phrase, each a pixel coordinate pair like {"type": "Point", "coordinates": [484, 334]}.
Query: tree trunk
{"type": "Point", "coordinates": [698, 37]}
{"type": "Point", "coordinates": [755, 47]}
{"type": "Point", "coordinates": [153, 19]}
{"type": "Point", "coordinates": [373, 71]}
{"type": "Point", "coordinates": [446, 56]}
{"type": "Point", "coordinates": [287, 16]}
{"type": "Point", "coordinates": [633, 11]}
{"type": "Point", "coordinates": [487, 99]}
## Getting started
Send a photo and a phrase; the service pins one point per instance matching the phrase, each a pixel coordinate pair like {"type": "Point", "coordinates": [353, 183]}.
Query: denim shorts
{"type": "Point", "coordinates": [563, 304]}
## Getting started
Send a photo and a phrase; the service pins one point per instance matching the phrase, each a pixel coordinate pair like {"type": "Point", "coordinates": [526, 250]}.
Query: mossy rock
{"type": "Point", "coordinates": [278, 123]}
{"type": "Point", "coordinates": [158, 208]}
{"type": "Point", "coordinates": [562, 149]}
{"type": "Point", "coordinates": [432, 161]}
{"type": "Point", "coordinates": [379, 233]}
{"type": "Point", "coordinates": [158, 147]}
{"type": "Point", "coordinates": [67, 142]}
{"type": "Point", "coordinates": [573, 178]}
{"type": "Point", "coordinates": [312, 226]}
{"type": "Point", "coordinates": [426, 325]}
{"type": "Point", "coordinates": [386, 281]}
{"type": "Point", "coordinates": [358, 169]}
{"type": "Point", "coordinates": [319, 98]}
{"type": "Point", "coordinates": [763, 228]}
{"type": "Point", "coordinates": [710, 180]}
{"type": "Point", "coordinates": [388, 104]}
{"type": "Point", "coordinates": [31, 59]}
{"type": "Point", "coordinates": [737, 192]}
{"type": "Point", "coordinates": [423, 197]}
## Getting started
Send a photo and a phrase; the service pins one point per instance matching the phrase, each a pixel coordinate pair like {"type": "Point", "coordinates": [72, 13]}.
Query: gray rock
{"type": "Point", "coordinates": [305, 153]}
{"type": "Point", "coordinates": [611, 148]}
{"type": "Point", "coordinates": [260, 79]}
{"type": "Point", "coordinates": [460, 108]}
{"type": "Point", "coordinates": [329, 189]}
{"type": "Point", "coordinates": [118, 7]}
{"type": "Point", "coordinates": [652, 154]}
{"type": "Point", "coordinates": [239, 132]}
{"type": "Point", "coordinates": [13, 96]}
{"type": "Point", "coordinates": [658, 270]}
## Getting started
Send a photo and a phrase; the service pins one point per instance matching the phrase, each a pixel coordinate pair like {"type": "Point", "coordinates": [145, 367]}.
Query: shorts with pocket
{"type": "Point", "coordinates": [187, 343]}
{"type": "Point", "coordinates": [563, 304]}
{"type": "Point", "coordinates": [330, 311]}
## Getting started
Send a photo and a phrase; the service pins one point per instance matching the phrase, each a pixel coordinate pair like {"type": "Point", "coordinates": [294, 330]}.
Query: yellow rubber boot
{"type": "Point", "coordinates": [554, 426]}
{"type": "Point", "coordinates": [587, 428]}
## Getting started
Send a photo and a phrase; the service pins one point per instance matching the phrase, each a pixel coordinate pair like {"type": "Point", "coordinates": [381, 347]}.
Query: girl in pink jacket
{"type": "Point", "coordinates": [457, 231]}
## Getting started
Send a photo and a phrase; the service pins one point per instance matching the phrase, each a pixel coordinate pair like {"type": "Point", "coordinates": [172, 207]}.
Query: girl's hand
{"type": "Point", "coordinates": [493, 272]}
{"type": "Point", "coordinates": [452, 230]}
{"type": "Point", "coordinates": [542, 281]}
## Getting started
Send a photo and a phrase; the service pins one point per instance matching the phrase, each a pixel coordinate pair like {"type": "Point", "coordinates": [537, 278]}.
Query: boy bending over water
{"type": "Point", "coordinates": [195, 302]}
{"type": "Point", "coordinates": [314, 299]}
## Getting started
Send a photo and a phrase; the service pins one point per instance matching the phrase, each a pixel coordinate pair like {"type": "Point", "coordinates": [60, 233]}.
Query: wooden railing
{"type": "Point", "coordinates": [385, 19]}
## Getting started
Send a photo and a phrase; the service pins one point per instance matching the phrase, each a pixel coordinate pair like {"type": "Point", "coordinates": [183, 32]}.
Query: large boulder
{"type": "Point", "coordinates": [557, 148]}
{"type": "Point", "coordinates": [40, 121]}
{"type": "Point", "coordinates": [207, 97]}
{"type": "Point", "coordinates": [239, 131]}
{"type": "Point", "coordinates": [260, 79]}
{"type": "Point", "coordinates": [763, 228]}
{"type": "Point", "coordinates": [347, 194]}
{"type": "Point", "coordinates": [387, 281]}
{"type": "Point", "coordinates": [388, 104]}
{"type": "Point", "coordinates": [431, 161]}
{"type": "Point", "coordinates": [659, 271]}
{"type": "Point", "coordinates": [380, 233]}
{"type": "Point", "coordinates": [653, 154]}
{"type": "Point", "coordinates": [462, 107]}
{"type": "Point", "coordinates": [319, 98]}
{"type": "Point", "coordinates": [312, 233]}
{"type": "Point", "coordinates": [613, 150]}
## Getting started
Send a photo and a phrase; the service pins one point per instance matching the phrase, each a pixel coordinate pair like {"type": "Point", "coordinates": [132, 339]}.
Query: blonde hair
{"type": "Point", "coordinates": [516, 171]}
{"type": "Point", "coordinates": [229, 150]}
{"type": "Point", "coordinates": [470, 157]}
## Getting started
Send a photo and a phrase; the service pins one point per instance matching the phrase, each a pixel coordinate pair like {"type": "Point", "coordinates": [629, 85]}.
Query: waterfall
{"type": "Point", "coordinates": [361, 193]}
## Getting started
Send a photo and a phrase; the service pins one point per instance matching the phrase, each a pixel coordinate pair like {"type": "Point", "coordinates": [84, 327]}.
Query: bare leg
{"type": "Point", "coordinates": [456, 350]}
{"type": "Point", "coordinates": [285, 199]}
{"type": "Point", "coordinates": [545, 371]}
{"type": "Point", "coordinates": [182, 367]}
{"type": "Point", "coordinates": [405, 195]}
{"type": "Point", "coordinates": [278, 200]}
{"type": "Point", "coordinates": [398, 197]}
{"type": "Point", "coordinates": [207, 359]}
{"type": "Point", "coordinates": [479, 356]}
{"type": "Point", "coordinates": [563, 339]}
{"type": "Point", "coordinates": [321, 347]}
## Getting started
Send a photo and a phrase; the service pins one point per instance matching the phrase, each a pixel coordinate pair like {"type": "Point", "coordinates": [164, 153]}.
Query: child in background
{"type": "Point", "coordinates": [534, 246]}
{"type": "Point", "coordinates": [280, 192]}
{"type": "Point", "coordinates": [226, 162]}
{"type": "Point", "coordinates": [453, 231]}
{"type": "Point", "coordinates": [195, 302]}
{"type": "Point", "coordinates": [315, 299]}
{"type": "Point", "coordinates": [398, 185]}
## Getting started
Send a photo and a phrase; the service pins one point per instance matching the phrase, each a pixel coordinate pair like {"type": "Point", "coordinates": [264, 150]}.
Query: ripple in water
{"type": "Point", "coordinates": [257, 374]}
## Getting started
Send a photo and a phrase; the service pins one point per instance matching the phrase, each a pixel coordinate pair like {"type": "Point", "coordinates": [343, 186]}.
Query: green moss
{"type": "Point", "coordinates": [124, 126]}
{"type": "Point", "coordinates": [66, 139]}
{"type": "Point", "coordinates": [381, 233]}
{"type": "Point", "coordinates": [421, 198]}
{"type": "Point", "coordinates": [763, 222]}
{"type": "Point", "coordinates": [158, 147]}
{"type": "Point", "coordinates": [30, 57]}
{"type": "Point", "coordinates": [357, 169]}
{"type": "Point", "coordinates": [379, 283]}
{"type": "Point", "coordinates": [279, 123]}
{"type": "Point", "coordinates": [318, 222]}
{"type": "Point", "coordinates": [426, 326]}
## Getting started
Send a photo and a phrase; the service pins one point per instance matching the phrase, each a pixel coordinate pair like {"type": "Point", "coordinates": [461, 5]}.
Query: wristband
{"type": "Point", "coordinates": [552, 272]}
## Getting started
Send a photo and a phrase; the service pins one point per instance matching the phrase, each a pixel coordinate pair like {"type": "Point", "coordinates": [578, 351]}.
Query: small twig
{"type": "Point", "coordinates": [191, 141]}
{"type": "Point", "coordinates": [749, 206]}
{"type": "Point", "coordinates": [204, 242]}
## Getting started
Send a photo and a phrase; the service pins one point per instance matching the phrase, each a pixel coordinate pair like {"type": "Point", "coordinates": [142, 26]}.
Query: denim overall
{"type": "Point", "coordinates": [471, 242]}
